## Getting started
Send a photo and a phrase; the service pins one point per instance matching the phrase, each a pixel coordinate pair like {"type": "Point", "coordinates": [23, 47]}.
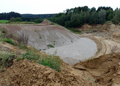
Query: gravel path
{"type": "Point", "coordinates": [80, 50]}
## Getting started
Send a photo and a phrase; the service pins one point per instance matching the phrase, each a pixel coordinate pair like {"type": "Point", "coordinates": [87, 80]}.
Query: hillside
{"type": "Point", "coordinates": [31, 66]}
{"type": "Point", "coordinates": [43, 36]}
{"type": "Point", "coordinates": [20, 66]}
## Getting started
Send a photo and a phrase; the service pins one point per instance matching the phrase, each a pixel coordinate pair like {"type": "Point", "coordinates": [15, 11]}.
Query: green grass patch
{"type": "Point", "coordinates": [31, 55]}
{"type": "Point", "coordinates": [4, 21]}
{"type": "Point", "coordinates": [8, 41]}
{"type": "Point", "coordinates": [50, 60]}
{"type": "Point", "coordinates": [50, 46]}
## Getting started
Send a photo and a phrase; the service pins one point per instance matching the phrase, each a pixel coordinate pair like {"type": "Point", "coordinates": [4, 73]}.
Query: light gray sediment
{"type": "Point", "coordinates": [80, 50]}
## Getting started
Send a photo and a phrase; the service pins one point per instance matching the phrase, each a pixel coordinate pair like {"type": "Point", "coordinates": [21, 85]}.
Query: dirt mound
{"type": "Point", "coordinates": [105, 27]}
{"type": "Point", "coordinates": [46, 22]}
{"type": "Point", "coordinates": [85, 27]}
{"type": "Point", "coordinates": [105, 69]}
{"type": "Point", "coordinates": [108, 31]}
{"type": "Point", "coordinates": [97, 27]}
{"type": "Point", "coordinates": [116, 35]}
{"type": "Point", "coordinates": [26, 73]}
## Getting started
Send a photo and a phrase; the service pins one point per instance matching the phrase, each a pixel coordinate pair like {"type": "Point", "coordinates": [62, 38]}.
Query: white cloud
{"type": "Point", "coordinates": [51, 6]}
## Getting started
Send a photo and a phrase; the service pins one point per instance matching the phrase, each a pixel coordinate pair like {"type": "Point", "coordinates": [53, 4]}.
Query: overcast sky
{"type": "Point", "coordinates": [51, 6]}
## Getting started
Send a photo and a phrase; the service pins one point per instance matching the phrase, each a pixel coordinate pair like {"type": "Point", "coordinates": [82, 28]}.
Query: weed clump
{"type": "Point", "coordinates": [5, 37]}
{"type": "Point", "coordinates": [6, 59]}
{"type": "Point", "coordinates": [8, 41]}
{"type": "Point", "coordinates": [51, 61]}
{"type": "Point", "coordinates": [51, 46]}
{"type": "Point", "coordinates": [4, 30]}
{"type": "Point", "coordinates": [31, 55]}
{"type": "Point", "coordinates": [23, 40]}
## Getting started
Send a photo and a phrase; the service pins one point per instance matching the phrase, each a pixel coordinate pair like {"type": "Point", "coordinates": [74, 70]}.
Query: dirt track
{"type": "Point", "coordinates": [104, 46]}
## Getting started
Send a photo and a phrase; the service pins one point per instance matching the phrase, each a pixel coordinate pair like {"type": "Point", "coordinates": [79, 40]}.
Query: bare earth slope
{"type": "Point", "coordinates": [105, 69]}
{"type": "Point", "coordinates": [25, 73]}
{"type": "Point", "coordinates": [43, 36]}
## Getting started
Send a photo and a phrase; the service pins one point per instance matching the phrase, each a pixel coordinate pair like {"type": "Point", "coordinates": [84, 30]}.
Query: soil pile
{"type": "Point", "coordinates": [98, 27]}
{"type": "Point", "coordinates": [105, 69]}
{"type": "Point", "coordinates": [85, 27]}
{"type": "Point", "coordinates": [105, 27]}
{"type": "Point", "coordinates": [116, 35]}
{"type": "Point", "coordinates": [26, 73]}
{"type": "Point", "coordinates": [46, 22]}
{"type": "Point", "coordinates": [107, 31]}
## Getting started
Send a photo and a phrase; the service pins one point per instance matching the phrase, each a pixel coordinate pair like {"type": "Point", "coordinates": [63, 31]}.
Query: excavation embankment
{"type": "Point", "coordinates": [73, 53]}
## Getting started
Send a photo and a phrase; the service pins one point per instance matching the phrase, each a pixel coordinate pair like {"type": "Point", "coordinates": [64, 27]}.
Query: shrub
{"type": "Point", "coordinates": [21, 46]}
{"type": "Point", "coordinates": [23, 39]}
{"type": "Point", "coordinates": [8, 41]}
{"type": "Point", "coordinates": [4, 30]}
{"type": "Point", "coordinates": [50, 46]}
{"type": "Point", "coordinates": [5, 59]}
{"type": "Point", "coordinates": [31, 55]}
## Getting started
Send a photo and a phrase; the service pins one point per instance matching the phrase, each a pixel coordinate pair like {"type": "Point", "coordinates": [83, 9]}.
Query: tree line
{"type": "Point", "coordinates": [42, 16]}
{"type": "Point", "coordinates": [17, 17]}
{"type": "Point", "coordinates": [76, 17]}
{"type": "Point", "coordinates": [72, 18]}
{"type": "Point", "coordinates": [7, 16]}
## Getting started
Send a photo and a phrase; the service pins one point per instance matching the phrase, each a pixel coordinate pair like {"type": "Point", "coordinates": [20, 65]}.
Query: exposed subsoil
{"type": "Point", "coordinates": [26, 73]}
{"type": "Point", "coordinates": [105, 69]}
{"type": "Point", "coordinates": [107, 31]}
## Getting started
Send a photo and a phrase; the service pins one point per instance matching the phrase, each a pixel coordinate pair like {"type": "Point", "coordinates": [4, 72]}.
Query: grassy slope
{"type": "Point", "coordinates": [4, 21]}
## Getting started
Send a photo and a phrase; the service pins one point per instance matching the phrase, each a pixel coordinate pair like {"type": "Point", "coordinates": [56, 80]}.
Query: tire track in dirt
{"type": "Point", "coordinates": [104, 46]}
